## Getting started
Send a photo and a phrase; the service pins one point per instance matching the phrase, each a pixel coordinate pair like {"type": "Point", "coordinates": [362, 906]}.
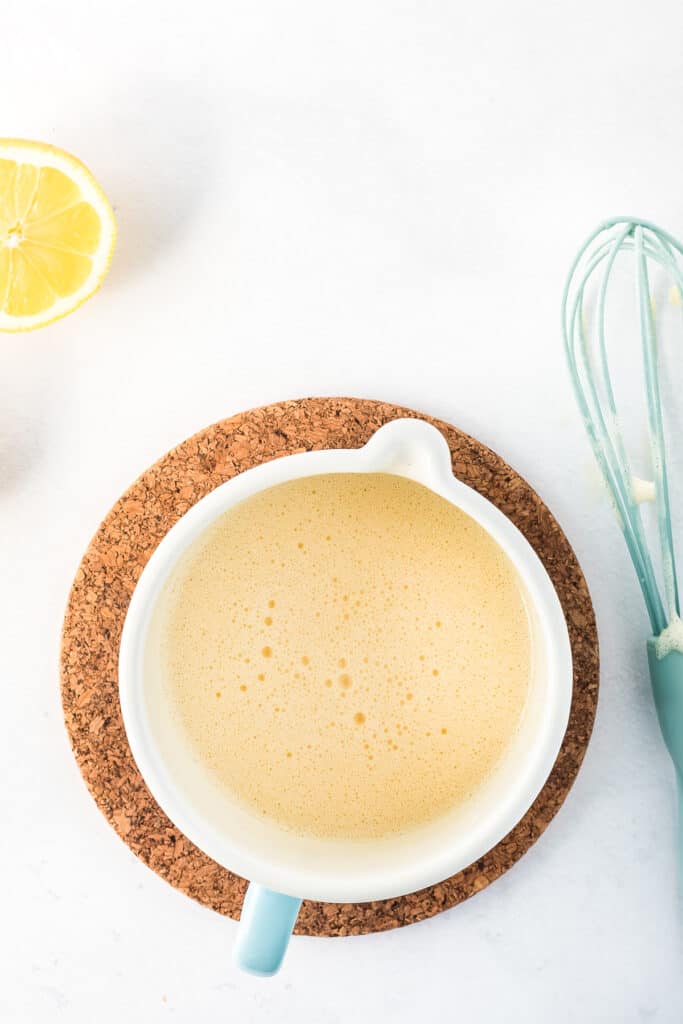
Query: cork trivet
{"type": "Point", "coordinates": [113, 563]}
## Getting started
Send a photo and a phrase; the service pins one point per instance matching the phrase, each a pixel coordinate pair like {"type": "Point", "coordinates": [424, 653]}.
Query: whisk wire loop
{"type": "Point", "coordinates": [589, 368]}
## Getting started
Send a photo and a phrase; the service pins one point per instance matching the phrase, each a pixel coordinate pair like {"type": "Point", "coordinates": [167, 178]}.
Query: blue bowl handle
{"type": "Point", "coordinates": [265, 926]}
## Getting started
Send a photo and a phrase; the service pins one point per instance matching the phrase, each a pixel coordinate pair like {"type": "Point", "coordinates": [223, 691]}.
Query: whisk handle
{"type": "Point", "coordinates": [666, 675]}
{"type": "Point", "coordinates": [679, 785]}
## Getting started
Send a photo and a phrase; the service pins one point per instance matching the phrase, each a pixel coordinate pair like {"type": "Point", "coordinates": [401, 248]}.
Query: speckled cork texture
{"type": "Point", "coordinates": [112, 565]}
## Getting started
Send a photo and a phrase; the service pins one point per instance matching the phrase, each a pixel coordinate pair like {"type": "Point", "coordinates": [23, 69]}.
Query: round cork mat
{"type": "Point", "coordinates": [112, 565]}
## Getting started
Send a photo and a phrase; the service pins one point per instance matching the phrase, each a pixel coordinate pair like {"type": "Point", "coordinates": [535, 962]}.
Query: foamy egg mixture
{"type": "Point", "coordinates": [346, 654]}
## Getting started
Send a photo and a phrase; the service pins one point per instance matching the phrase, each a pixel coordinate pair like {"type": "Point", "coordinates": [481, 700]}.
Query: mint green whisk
{"type": "Point", "coordinates": [586, 347]}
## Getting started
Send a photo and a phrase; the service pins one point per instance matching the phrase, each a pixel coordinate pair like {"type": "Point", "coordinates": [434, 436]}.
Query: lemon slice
{"type": "Point", "coordinates": [57, 234]}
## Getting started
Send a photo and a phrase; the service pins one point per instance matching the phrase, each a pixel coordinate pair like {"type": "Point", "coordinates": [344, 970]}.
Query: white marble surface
{"type": "Point", "coordinates": [377, 199]}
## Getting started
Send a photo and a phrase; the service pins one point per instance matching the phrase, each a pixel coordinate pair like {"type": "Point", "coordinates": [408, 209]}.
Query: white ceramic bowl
{"type": "Point", "coordinates": [334, 870]}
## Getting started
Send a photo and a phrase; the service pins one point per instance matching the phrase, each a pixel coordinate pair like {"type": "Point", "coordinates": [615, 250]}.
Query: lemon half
{"type": "Point", "coordinates": [57, 234]}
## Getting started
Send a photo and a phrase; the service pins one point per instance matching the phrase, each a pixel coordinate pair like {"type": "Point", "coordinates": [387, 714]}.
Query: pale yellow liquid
{"type": "Point", "coordinates": [348, 654]}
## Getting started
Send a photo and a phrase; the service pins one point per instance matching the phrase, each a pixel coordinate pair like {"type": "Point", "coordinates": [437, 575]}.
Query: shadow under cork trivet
{"type": "Point", "coordinates": [115, 559]}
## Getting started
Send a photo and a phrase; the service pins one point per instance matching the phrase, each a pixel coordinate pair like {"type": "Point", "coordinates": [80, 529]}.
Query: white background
{"type": "Point", "coordinates": [368, 198]}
